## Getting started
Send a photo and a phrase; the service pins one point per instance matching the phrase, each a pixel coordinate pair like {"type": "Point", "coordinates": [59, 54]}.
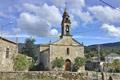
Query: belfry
{"type": "Point", "coordinates": [65, 24]}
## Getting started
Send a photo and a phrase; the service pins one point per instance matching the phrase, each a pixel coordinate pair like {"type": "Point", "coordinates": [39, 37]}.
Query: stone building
{"type": "Point", "coordinates": [66, 47]}
{"type": "Point", "coordinates": [8, 50]}
{"type": "Point", "coordinates": [111, 57]}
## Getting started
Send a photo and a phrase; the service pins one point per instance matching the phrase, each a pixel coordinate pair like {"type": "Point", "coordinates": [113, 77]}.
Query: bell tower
{"type": "Point", "coordinates": [65, 24]}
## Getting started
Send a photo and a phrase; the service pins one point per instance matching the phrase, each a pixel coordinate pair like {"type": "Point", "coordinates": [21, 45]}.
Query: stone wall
{"type": "Point", "coordinates": [98, 75]}
{"type": "Point", "coordinates": [53, 75]}
{"type": "Point", "coordinates": [47, 75]}
{"type": "Point", "coordinates": [68, 49]}
{"type": "Point", "coordinates": [8, 51]}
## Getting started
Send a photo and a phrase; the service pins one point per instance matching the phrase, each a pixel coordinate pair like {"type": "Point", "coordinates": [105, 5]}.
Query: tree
{"type": "Point", "coordinates": [116, 65]}
{"type": "Point", "coordinates": [79, 61]}
{"type": "Point", "coordinates": [58, 62]}
{"type": "Point", "coordinates": [21, 63]}
{"type": "Point", "coordinates": [29, 48]}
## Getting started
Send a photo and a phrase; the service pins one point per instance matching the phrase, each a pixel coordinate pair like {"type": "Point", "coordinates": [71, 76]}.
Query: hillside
{"type": "Point", "coordinates": [105, 49]}
{"type": "Point", "coordinates": [106, 45]}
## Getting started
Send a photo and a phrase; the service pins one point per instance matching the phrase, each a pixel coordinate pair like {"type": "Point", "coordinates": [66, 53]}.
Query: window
{"type": "Point", "coordinates": [67, 19]}
{"type": "Point", "coordinates": [0, 48]}
{"type": "Point", "coordinates": [68, 52]}
{"type": "Point", "coordinates": [7, 52]}
{"type": "Point", "coordinates": [67, 28]}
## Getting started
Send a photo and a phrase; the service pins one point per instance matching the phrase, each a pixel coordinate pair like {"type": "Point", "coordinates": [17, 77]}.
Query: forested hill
{"type": "Point", "coordinates": [111, 45]}
{"type": "Point", "coordinates": [105, 49]}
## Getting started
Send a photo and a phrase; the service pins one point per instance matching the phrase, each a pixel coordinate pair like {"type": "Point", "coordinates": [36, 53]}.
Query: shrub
{"type": "Point", "coordinates": [21, 63]}
{"type": "Point", "coordinates": [78, 62]}
{"type": "Point", "coordinates": [58, 62]}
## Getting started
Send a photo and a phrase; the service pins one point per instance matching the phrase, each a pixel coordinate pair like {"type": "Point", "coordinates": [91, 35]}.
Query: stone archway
{"type": "Point", "coordinates": [67, 65]}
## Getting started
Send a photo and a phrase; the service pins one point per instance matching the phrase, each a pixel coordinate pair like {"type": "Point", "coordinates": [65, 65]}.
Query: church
{"type": "Point", "coordinates": [66, 47]}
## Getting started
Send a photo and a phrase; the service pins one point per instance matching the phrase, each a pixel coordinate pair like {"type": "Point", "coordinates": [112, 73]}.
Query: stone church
{"type": "Point", "coordinates": [8, 51]}
{"type": "Point", "coordinates": [66, 47]}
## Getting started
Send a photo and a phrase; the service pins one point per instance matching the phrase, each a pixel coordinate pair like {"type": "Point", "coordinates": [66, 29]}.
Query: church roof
{"type": "Point", "coordinates": [77, 42]}
{"type": "Point", "coordinates": [67, 40]}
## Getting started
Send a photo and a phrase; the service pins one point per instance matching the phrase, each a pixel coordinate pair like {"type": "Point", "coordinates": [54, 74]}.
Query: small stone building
{"type": "Point", "coordinates": [8, 50]}
{"type": "Point", "coordinates": [111, 57]}
{"type": "Point", "coordinates": [66, 47]}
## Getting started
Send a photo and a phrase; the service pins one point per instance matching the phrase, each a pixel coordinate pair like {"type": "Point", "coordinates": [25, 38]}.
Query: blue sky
{"type": "Point", "coordinates": [93, 22]}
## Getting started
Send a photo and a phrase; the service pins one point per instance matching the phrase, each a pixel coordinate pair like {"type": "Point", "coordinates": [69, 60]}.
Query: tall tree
{"type": "Point", "coordinates": [29, 48]}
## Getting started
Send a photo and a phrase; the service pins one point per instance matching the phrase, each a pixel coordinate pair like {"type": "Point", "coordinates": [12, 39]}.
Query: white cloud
{"type": "Point", "coordinates": [73, 21]}
{"type": "Point", "coordinates": [112, 30]}
{"type": "Point", "coordinates": [105, 14]}
{"type": "Point", "coordinates": [73, 4]}
{"type": "Point", "coordinates": [54, 32]}
{"type": "Point", "coordinates": [84, 16]}
{"type": "Point", "coordinates": [38, 20]}
{"type": "Point", "coordinates": [91, 37]}
{"type": "Point", "coordinates": [4, 15]}
{"type": "Point", "coordinates": [33, 25]}
{"type": "Point", "coordinates": [75, 7]}
{"type": "Point", "coordinates": [76, 4]}
{"type": "Point", "coordinates": [49, 13]}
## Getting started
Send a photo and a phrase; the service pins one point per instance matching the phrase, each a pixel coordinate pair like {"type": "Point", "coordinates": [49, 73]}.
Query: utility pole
{"type": "Point", "coordinates": [99, 53]}
{"type": "Point", "coordinates": [17, 42]}
{"type": "Point", "coordinates": [1, 29]}
{"type": "Point", "coordinates": [99, 61]}
{"type": "Point", "coordinates": [101, 68]}
{"type": "Point", "coordinates": [1, 33]}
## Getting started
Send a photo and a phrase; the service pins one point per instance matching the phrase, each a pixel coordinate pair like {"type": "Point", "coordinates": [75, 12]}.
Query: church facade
{"type": "Point", "coordinates": [66, 47]}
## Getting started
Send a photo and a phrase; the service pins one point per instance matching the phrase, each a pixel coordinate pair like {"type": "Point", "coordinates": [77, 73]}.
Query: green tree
{"type": "Point", "coordinates": [21, 63]}
{"type": "Point", "coordinates": [29, 48]}
{"type": "Point", "coordinates": [58, 62]}
{"type": "Point", "coordinates": [79, 61]}
{"type": "Point", "coordinates": [116, 65]}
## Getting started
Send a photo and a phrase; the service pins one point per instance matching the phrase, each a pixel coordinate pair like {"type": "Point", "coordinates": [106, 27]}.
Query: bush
{"type": "Point", "coordinates": [58, 62]}
{"type": "Point", "coordinates": [114, 66]}
{"type": "Point", "coordinates": [21, 63]}
{"type": "Point", "coordinates": [78, 63]}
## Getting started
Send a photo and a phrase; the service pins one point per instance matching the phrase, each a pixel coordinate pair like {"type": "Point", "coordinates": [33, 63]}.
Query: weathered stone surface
{"type": "Point", "coordinates": [6, 56]}
{"type": "Point", "coordinates": [42, 76]}
{"type": "Point", "coordinates": [58, 49]}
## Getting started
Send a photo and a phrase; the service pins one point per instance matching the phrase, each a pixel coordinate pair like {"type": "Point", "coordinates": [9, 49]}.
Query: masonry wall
{"type": "Point", "coordinates": [44, 56]}
{"type": "Point", "coordinates": [6, 60]}
{"type": "Point", "coordinates": [42, 76]}
{"type": "Point", "coordinates": [61, 51]}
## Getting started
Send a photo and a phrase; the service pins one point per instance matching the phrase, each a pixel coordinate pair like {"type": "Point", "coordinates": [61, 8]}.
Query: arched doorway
{"type": "Point", "coordinates": [67, 65]}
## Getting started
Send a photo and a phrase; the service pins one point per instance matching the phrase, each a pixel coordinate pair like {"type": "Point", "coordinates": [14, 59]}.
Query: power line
{"type": "Point", "coordinates": [107, 4]}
